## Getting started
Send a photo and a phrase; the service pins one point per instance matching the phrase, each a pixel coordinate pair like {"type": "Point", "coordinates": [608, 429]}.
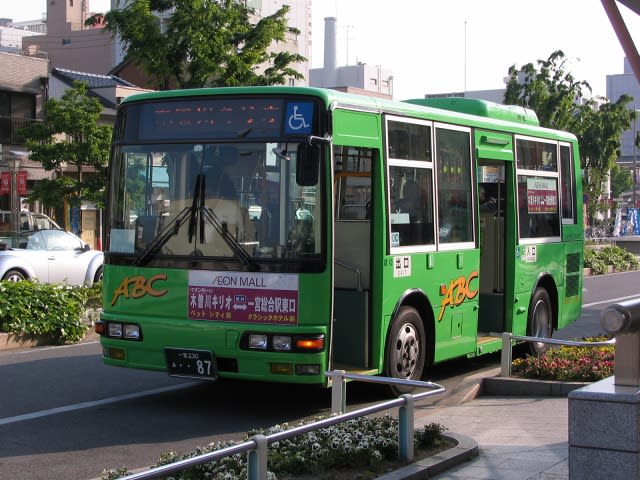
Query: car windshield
{"type": "Point", "coordinates": [230, 201]}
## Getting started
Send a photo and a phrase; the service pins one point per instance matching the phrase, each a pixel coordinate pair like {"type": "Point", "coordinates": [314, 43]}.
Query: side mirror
{"type": "Point", "coordinates": [307, 162]}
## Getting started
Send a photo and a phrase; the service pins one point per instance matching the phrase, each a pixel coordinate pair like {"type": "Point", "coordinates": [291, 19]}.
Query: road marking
{"type": "Point", "coordinates": [611, 300]}
{"type": "Point", "coordinates": [95, 403]}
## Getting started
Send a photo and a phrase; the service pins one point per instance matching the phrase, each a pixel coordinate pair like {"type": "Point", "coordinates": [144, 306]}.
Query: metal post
{"type": "Point", "coordinates": [623, 320]}
{"type": "Point", "coordinates": [257, 459]}
{"type": "Point", "coordinates": [506, 357]}
{"type": "Point", "coordinates": [338, 392]}
{"type": "Point", "coordinates": [13, 161]}
{"type": "Point", "coordinates": [406, 428]}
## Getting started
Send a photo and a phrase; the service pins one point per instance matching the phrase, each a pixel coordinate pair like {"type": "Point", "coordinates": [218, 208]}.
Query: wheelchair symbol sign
{"type": "Point", "coordinates": [299, 118]}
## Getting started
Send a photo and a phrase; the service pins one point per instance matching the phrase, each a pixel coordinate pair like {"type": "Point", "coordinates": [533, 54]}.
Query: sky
{"type": "Point", "coordinates": [435, 46]}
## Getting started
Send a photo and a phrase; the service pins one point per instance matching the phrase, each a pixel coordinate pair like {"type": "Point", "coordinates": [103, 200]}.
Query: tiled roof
{"type": "Point", "coordinates": [93, 80]}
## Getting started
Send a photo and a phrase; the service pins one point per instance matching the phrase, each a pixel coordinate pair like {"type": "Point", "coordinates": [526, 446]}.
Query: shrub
{"type": "Point", "coordinates": [56, 311]}
{"type": "Point", "coordinates": [568, 364]}
{"type": "Point", "coordinates": [599, 259]}
{"type": "Point", "coordinates": [363, 443]}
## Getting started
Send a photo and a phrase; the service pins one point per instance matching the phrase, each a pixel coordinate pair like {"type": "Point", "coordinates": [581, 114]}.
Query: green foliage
{"type": "Point", "coordinates": [69, 134]}
{"type": "Point", "coordinates": [559, 101]}
{"type": "Point", "coordinates": [204, 43]}
{"type": "Point", "coordinates": [364, 443]}
{"type": "Point", "coordinates": [569, 364]}
{"type": "Point", "coordinates": [621, 180]}
{"type": "Point", "coordinates": [55, 311]}
{"type": "Point", "coordinates": [548, 90]}
{"type": "Point", "coordinates": [599, 259]}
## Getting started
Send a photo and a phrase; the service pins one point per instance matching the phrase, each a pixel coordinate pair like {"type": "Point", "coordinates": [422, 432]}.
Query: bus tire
{"type": "Point", "coordinates": [540, 321]}
{"type": "Point", "coordinates": [406, 349]}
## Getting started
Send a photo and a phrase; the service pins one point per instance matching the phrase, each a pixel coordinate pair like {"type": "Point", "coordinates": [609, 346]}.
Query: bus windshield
{"type": "Point", "coordinates": [231, 201]}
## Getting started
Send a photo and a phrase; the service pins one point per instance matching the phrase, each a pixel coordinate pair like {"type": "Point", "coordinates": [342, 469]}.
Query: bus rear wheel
{"type": "Point", "coordinates": [406, 349]}
{"type": "Point", "coordinates": [540, 320]}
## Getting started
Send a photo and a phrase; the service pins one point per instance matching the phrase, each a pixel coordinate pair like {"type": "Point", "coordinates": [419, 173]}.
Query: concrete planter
{"type": "Point", "coordinates": [12, 341]}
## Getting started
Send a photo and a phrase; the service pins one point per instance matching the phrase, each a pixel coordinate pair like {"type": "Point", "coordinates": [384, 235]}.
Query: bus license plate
{"type": "Point", "coordinates": [190, 363]}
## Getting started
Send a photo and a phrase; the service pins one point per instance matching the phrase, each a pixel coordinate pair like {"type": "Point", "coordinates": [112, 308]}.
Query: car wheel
{"type": "Point", "coordinates": [406, 349]}
{"type": "Point", "coordinates": [98, 276]}
{"type": "Point", "coordinates": [540, 321]}
{"type": "Point", "coordinates": [14, 276]}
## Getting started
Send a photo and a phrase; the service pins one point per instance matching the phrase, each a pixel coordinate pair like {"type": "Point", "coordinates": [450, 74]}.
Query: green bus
{"type": "Point", "coordinates": [276, 233]}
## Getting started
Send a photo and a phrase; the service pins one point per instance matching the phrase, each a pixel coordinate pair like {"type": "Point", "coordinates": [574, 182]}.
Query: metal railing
{"type": "Point", "coordinates": [256, 447]}
{"type": "Point", "coordinates": [506, 358]}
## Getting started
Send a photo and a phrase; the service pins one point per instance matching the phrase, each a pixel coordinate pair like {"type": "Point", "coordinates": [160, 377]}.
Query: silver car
{"type": "Point", "coordinates": [52, 256]}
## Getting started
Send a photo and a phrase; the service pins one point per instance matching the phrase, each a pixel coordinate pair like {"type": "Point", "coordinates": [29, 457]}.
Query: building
{"type": "Point", "coordinates": [618, 85]}
{"type": "Point", "coordinates": [364, 79]}
{"type": "Point", "coordinates": [69, 43]}
{"type": "Point", "coordinates": [23, 91]}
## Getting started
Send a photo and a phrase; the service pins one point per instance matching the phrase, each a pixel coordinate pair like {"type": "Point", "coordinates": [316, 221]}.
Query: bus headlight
{"type": "Point", "coordinates": [131, 332]}
{"type": "Point", "coordinates": [123, 331]}
{"type": "Point", "coordinates": [281, 342]}
{"type": "Point", "coordinates": [258, 341]}
{"type": "Point", "coordinates": [114, 330]}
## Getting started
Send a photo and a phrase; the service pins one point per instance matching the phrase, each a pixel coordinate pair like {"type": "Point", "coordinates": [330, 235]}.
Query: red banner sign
{"type": "Point", "coordinates": [5, 183]}
{"type": "Point", "coordinates": [21, 180]}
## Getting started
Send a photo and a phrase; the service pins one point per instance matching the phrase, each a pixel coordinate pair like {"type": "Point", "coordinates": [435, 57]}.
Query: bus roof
{"type": "Point", "coordinates": [486, 113]}
{"type": "Point", "coordinates": [482, 108]}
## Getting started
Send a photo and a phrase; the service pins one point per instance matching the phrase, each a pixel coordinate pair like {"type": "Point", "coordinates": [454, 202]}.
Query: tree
{"type": "Point", "coordinates": [621, 181]}
{"type": "Point", "coordinates": [559, 101]}
{"type": "Point", "coordinates": [204, 43]}
{"type": "Point", "coordinates": [70, 135]}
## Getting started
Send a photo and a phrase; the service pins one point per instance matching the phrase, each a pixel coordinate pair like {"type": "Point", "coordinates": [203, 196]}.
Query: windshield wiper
{"type": "Point", "coordinates": [163, 237]}
{"type": "Point", "coordinates": [198, 211]}
{"type": "Point", "coordinates": [174, 226]}
{"type": "Point", "coordinates": [221, 227]}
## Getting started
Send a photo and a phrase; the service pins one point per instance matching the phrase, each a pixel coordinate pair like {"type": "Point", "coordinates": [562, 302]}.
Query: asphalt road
{"type": "Point", "coordinates": [65, 415]}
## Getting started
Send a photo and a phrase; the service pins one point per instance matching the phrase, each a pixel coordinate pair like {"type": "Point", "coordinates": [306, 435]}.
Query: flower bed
{"type": "Point", "coordinates": [367, 444]}
{"type": "Point", "coordinates": [568, 364]}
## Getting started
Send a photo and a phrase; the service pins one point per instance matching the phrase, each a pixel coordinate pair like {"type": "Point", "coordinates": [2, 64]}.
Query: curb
{"type": "Point", "coordinates": [528, 387]}
{"type": "Point", "coordinates": [12, 341]}
{"type": "Point", "coordinates": [465, 450]}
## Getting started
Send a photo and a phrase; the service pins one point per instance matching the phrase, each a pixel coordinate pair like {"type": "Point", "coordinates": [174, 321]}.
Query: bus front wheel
{"type": "Point", "coordinates": [406, 348]}
{"type": "Point", "coordinates": [540, 320]}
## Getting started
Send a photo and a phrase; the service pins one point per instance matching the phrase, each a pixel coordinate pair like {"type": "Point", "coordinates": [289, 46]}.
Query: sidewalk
{"type": "Point", "coordinates": [518, 438]}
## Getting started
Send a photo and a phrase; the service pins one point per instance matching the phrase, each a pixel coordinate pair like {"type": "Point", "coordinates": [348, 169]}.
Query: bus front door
{"type": "Point", "coordinates": [494, 211]}
{"type": "Point", "coordinates": [350, 342]}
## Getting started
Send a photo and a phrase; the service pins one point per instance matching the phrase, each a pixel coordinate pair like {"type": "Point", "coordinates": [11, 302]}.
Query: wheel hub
{"type": "Point", "coordinates": [407, 351]}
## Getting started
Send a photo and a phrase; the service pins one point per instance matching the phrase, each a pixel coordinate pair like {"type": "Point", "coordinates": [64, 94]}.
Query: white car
{"type": "Point", "coordinates": [52, 256]}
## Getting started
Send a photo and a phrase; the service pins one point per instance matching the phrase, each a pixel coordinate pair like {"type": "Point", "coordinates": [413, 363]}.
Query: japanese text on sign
{"type": "Point", "coordinates": [542, 195]}
{"type": "Point", "coordinates": [243, 297]}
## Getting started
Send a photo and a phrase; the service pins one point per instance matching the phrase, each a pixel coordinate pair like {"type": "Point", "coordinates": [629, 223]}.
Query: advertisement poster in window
{"type": "Point", "coordinates": [542, 195]}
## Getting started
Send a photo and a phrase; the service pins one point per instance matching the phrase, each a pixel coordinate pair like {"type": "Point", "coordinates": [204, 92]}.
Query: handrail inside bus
{"type": "Point", "coordinates": [353, 269]}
